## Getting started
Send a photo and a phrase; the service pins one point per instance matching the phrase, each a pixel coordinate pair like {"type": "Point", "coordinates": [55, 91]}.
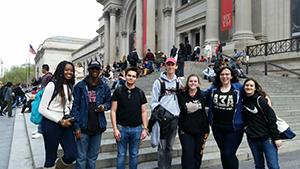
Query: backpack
{"type": "Point", "coordinates": [36, 116]}
{"type": "Point", "coordinates": [163, 88]}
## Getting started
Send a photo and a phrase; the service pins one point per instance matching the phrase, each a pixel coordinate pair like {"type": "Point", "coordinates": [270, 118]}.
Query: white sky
{"type": "Point", "coordinates": [25, 22]}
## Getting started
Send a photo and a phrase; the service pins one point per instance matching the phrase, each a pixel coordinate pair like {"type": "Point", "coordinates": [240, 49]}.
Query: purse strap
{"type": "Point", "coordinates": [262, 109]}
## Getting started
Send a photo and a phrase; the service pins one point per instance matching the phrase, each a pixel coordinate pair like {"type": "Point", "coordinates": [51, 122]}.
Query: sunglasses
{"type": "Point", "coordinates": [129, 94]}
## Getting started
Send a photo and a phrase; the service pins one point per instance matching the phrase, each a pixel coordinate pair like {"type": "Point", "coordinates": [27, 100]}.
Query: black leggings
{"type": "Point", "coordinates": [228, 143]}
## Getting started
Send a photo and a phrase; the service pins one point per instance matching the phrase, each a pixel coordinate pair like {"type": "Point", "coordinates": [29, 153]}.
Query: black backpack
{"type": "Point", "coordinates": [163, 88]}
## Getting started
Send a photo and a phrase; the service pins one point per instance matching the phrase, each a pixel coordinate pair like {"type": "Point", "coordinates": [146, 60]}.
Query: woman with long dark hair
{"type": "Point", "coordinates": [193, 124]}
{"type": "Point", "coordinates": [261, 129]}
{"type": "Point", "coordinates": [225, 115]}
{"type": "Point", "coordinates": [55, 107]}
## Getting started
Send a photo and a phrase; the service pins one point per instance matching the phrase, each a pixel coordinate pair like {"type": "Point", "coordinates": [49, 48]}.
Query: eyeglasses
{"type": "Point", "coordinates": [129, 94]}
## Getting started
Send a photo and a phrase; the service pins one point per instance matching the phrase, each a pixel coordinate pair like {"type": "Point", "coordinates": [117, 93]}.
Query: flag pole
{"type": "Point", "coordinates": [27, 70]}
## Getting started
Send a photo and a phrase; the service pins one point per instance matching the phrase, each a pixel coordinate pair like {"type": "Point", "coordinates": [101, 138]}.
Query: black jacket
{"type": "Point", "coordinates": [260, 120]}
{"type": "Point", "coordinates": [193, 122]}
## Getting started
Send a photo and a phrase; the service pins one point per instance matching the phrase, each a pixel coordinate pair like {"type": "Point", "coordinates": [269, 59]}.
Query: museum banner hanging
{"type": "Point", "coordinates": [226, 15]}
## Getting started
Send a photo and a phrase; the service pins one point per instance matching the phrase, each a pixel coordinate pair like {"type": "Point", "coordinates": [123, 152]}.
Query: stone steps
{"type": "Point", "coordinates": [285, 95]}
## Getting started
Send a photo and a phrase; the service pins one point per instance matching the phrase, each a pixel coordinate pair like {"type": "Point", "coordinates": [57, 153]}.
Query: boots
{"type": "Point", "coordinates": [60, 164]}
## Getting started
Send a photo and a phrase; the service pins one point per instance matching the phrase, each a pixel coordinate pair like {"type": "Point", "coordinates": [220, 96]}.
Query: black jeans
{"type": "Point", "coordinates": [166, 143]}
{"type": "Point", "coordinates": [54, 134]}
{"type": "Point", "coordinates": [228, 142]}
{"type": "Point", "coordinates": [192, 149]}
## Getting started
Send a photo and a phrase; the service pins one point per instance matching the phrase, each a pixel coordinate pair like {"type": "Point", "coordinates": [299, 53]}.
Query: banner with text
{"type": "Point", "coordinates": [226, 15]}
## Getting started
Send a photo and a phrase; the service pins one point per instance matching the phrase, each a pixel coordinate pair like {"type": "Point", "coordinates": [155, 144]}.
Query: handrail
{"type": "Point", "coordinates": [274, 47]}
{"type": "Point", "coordinates": [280, 67]}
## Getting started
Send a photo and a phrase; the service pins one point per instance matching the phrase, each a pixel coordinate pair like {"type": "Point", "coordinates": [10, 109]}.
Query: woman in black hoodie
{"type": "Point", "coordinates": [261, 128]}
{"type": "Point", "coordinates": [193, 123]}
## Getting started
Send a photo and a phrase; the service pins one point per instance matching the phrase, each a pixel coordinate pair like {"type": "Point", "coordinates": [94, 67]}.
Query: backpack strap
{"type": "Point", "coordinates": [162, 89]}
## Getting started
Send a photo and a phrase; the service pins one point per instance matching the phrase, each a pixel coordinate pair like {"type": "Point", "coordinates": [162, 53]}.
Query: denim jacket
{"type": "Point", "coordinates": [238, 120]}
{"type": "Point", "coordinates": [80, 104]}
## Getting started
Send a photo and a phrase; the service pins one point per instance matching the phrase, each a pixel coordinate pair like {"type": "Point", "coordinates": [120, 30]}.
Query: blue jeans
{"type": "Point", "coordinates": [228, 142]}
{"type": "Point", "coordinates": [130, 136]}
{"type": "Point", "coordinates": [88, 148]}
{"type": "Point", "coordinates": [264, 147]}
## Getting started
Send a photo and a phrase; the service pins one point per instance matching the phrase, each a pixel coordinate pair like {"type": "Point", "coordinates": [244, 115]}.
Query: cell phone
{"type": "Point", "coordinates": [71, 119]}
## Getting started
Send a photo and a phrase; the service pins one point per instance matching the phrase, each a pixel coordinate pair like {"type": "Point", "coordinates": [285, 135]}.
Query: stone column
{"type": "Point", "coordinates": [106, 38]}
{"type": "Point", "coordinates": [190, 37]}
{"type": "Point", "coordinates": [167, 36]}
{"type": "Point", "coordinates": [112, 36]}
{"type": "Point", "coordinates": [151, 25]}
{"type": "Point", "coordinates": [201, 39]}
{"type": "Point", "coordinates": [243, 20]}
{"type": "Point", "coordinates": [123, 43]}
{"type": "Point", "coordinates": [139, 28]}
{"type": "Point", "coordinates": [212, 21]}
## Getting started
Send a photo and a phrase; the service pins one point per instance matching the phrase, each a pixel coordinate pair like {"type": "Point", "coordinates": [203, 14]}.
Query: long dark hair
{"type": "Point", "coordinates": [258, 88]}
{"type": "Point", "coordinates": [187, 88]}
{"type": "Point", "coordinates": [58, 78]}
{"type": "Point", "coordinates": [218, 82]}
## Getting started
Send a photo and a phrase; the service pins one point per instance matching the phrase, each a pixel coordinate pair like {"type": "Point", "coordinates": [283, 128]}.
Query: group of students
{"type": "Point", "coordinates": [233, 109]}
{"type": "Point", "coordinates": [74, 117]}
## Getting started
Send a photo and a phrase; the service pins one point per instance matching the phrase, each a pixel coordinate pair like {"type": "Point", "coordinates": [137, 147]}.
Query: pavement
{"type": "Point", "coordinates": [288, 160]}
{"type": "Point", "coordinates": [6, 130]}
{"type": "Point", "coordinates": [14, 147]}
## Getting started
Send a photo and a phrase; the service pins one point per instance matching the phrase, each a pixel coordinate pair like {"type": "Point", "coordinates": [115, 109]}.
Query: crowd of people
{"type": "Point", "coordinates": [74, 113]}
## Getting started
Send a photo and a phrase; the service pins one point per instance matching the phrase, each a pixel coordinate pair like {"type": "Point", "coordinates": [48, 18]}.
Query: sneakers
{"type": "Point", "coordinates": [36, 135]}
{"type": "Point", "coordinates": [34, 132]}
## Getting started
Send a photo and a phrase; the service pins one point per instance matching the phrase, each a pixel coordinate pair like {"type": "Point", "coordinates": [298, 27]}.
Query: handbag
{"type": "Point", "coordinates": [285, 132]}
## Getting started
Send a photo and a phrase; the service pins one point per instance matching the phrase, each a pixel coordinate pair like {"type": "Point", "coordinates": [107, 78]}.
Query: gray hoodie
{"type": "Point", "coordinates": [170, 100]}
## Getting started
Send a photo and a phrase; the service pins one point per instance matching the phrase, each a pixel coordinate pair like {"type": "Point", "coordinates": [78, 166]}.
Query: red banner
{"type": "Point", "coordinates": [226, 15]}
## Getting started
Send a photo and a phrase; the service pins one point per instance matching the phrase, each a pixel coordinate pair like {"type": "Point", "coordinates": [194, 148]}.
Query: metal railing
{"type": "Point", "coordinates": [280, 67]}
{"type": "Point", "coordinates": [274, 47]}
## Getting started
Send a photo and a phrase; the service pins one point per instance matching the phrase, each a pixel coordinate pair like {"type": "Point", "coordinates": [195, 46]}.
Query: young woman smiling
{"type": "Point", "coordinates": [193, 123]}
{"type": "Point", "coordinates": [261, 128]}
{"type": "Point", "coordinates": [225, 115]}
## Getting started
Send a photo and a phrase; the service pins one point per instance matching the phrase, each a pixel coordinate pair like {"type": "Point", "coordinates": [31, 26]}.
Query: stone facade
{"type": "Point", "coordinates": [55, 49]}
{"type": "Point", "coordinates": [170, 22]}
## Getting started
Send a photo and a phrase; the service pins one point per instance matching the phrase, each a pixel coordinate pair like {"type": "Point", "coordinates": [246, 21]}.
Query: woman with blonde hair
{"type": "Point", "coordinates": [193, 124]}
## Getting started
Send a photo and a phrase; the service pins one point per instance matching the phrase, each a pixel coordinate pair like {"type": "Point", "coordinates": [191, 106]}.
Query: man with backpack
{"type": "Point", "coordinates": [45, 79]}
{"type": "Point", "coordinates": [129, 119]}
{"type": "Point", "coordinates": [164, 99]}
{"type": "Point", "coordinates": [91, 98]}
